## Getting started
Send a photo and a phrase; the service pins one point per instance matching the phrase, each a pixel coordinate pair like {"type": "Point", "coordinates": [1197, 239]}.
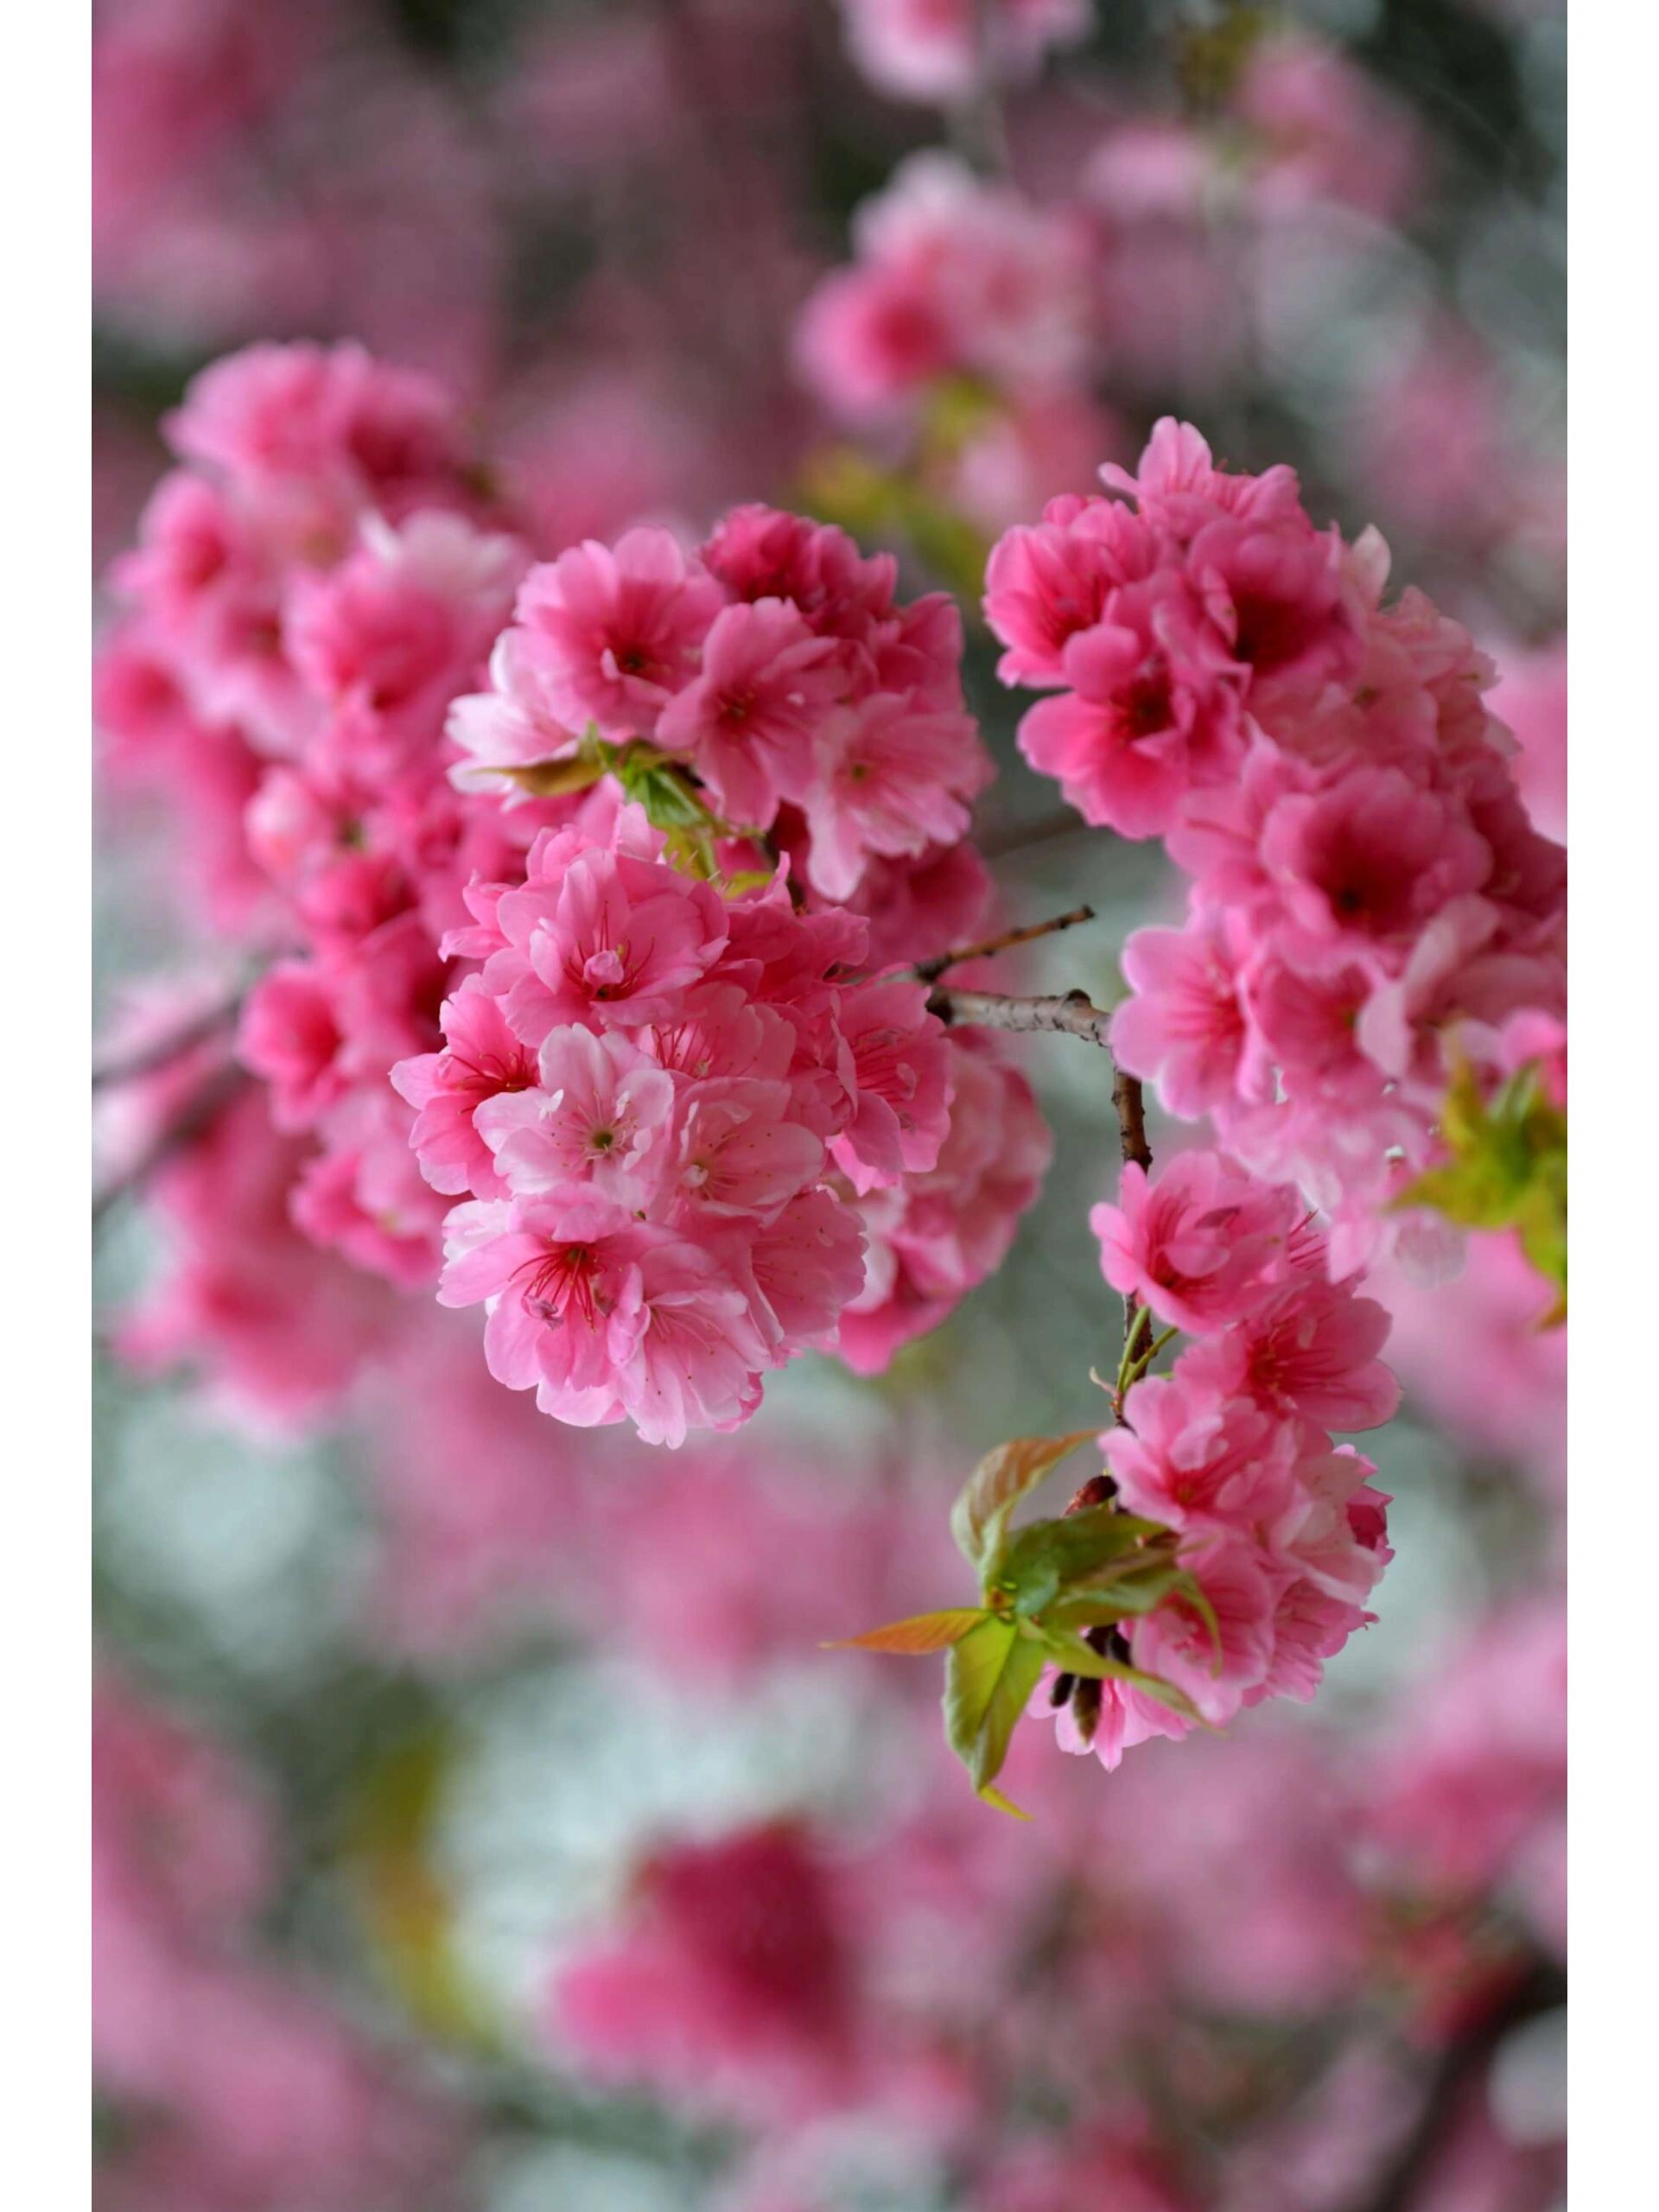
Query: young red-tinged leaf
{"type": "Point", "coordinates": [979, 1518]}
{"type": "Point", "coordinates": [921, 1632]}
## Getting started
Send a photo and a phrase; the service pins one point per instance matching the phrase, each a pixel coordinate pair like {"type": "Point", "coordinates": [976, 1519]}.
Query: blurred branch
{"type": "Point", "coordinates": [1462, 2062]}
{"type": "Point", "coordinates": [979, 130]}
{"type": "Point", "coordinates": [148, 1058]}
{"type": "Point", "coordinates": [197, 1115]}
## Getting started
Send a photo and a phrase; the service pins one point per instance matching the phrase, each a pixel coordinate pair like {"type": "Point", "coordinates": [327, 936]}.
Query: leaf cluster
{"type": "Point", "coordinates": [1505, 1169]}
{"type": "Point", "coordinates": [1043, 1588]}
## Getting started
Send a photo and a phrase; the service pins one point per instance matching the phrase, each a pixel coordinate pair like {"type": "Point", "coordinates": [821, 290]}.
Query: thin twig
{"type": "Point", "coordinates": [1074, 1014]}
{"type": "Point", "coordinates": [929, 971]}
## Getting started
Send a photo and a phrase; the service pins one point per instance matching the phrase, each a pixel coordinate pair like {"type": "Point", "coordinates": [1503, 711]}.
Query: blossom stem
{"type": "Point", "coordinates": [928, 971]}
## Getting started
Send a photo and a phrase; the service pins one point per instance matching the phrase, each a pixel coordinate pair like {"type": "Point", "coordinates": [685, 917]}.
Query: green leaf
{"type": "Point", "coordinates": [993, 1796]}
{"type": "Point", "coordinates": [989, 1678]}
{"type": "Point", "coordinates": [921, 1632]}
{"type": "Point", "coordinates": [1078, 1657]}
{"type": "Point", "coordinates": [1506, 1167]}
{"type": "Point", "coordinates": [979, 1518]}
{"type": "Point", "coordinates": [1051, 1556]}
{"type": "Point", "coordinates": [1121, 1593]}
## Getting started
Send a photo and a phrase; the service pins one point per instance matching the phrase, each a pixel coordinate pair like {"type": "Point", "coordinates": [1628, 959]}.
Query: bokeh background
{"type": "Point", "coordinates": [478, 1822]}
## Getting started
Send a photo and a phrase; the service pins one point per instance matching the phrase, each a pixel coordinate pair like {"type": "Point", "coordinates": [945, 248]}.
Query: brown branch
{"type": "Point", "coordinates": [1460, 2067]}
{"type": "Point", "coordinates": [1129, 1102]}
{"type": "Point", "coordinates": [929, 971]}
{"type": "Point", "coordinates": [1074, 1014]}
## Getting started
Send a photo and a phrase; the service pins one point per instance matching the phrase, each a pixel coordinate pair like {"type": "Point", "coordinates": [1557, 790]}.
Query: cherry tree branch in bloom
{"type": "Point", "coordinates": [929, 971]}
{"type": "Point", "coordinates": [1071, 1014]}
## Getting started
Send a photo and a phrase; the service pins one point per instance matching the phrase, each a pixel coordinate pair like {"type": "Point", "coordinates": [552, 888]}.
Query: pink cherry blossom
{"type": "Point", "coordinates": [291, 1034]}
{"type": "Point", "coordinates": [594, 1109]}
{"type": "Point", "coordinates": [607, 938]}
{"type": "Point", "coordinates": [481, 1060]}
{"type": "Point", "coordinates": [1187, 1027]}
{"type": "Point", "coordinates": [1138, 721]}
{"type": "Point", "coordinates": [1371, 858]}
{"type": "Point", "coordinates": [888, 782]}
{"type": "Point", "coordinates": [898, 1075]}
{"type": "Point", "coordinates": [1309, 1347]}
{"type": "Point", "coordinates": [1193, 1456]}
{"type": "Point", "coordinates": [1198, 1243]}
{"type": "Point", "coordinates": [731, 1980]}
{"type": "Point", "coordinates": [936, 1234]}
{"type": "Point", "coordinates": [1215, 1661]}
{"type": "Point", "coordinates": [750, 714]}
{"type": "Point", "coordinates": [611, 634]}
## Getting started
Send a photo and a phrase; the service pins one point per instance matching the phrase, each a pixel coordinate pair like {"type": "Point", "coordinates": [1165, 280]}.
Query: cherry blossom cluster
{"type": "Point", "coordinates": [984, 330]}
{"type": "Point", "coordinates": [1281, 1531]}
{"type": "Point", "coordinates": [775, 662]}
{"type": "Point", "coordinates": [671, 1109]}
{"type": "Point", "coordinates": [308, 594]}
{"type": "Point", "coordinates": [712, 1068]}
{"type": "Point", "coordinates": [1372, 907]}
{"type": "Point", "coordinates": [952, 276]}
